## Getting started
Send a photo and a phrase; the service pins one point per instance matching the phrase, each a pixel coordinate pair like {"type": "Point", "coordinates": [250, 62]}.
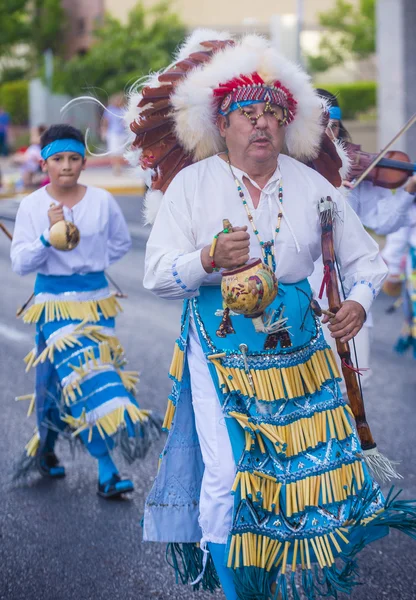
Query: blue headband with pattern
{"type": "Point", "coordinates": [65, 145]}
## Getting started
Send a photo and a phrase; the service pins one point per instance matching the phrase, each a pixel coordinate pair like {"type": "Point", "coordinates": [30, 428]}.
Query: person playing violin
{"type": "Point", "coordinates": [380, 209]}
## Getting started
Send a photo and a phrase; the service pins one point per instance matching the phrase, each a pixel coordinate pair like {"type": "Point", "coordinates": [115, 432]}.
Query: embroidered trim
{"type": "Point", "coordinates": [178, 280]}
{"type": "Point", "coordinates": [44, 242]}
{"type": "Point", "coordinates": [92, 295]}
{"type": "Point", "coordinates": [368, 284]}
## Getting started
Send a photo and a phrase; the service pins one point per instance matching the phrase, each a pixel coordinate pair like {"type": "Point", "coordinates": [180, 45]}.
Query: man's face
{"type": "Point", "coordinates": [64, 168]}
{"type": "Point", "coordinates": [254, 132]}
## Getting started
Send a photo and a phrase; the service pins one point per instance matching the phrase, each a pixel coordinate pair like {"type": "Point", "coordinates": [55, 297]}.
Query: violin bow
{"type": "Point", "coordinates": [119, 292]}
{"type": "Point", "coordinates": [380, 466]}
{"type": "Point", "coordinates": [10, 236]}
{"type": "Point", "coordinates": [6, 231]}
{"type": "Point", "coordinates": [382, 154]}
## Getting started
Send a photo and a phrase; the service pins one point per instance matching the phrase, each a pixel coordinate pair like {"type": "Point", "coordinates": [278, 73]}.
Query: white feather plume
{"type": "Point", "coordinates": [195, 107]}
{"type": "Point", "coordinates": [152, 202]}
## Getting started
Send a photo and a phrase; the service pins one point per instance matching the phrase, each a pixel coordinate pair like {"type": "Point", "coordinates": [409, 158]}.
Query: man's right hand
{"type": "Point", "coordinates": [55, 214]}
{"type": "Point", "coordinates": [232, 250]}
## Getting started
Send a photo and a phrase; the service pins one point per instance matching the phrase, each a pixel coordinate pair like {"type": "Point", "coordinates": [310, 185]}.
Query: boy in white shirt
{"type": "Point", "coordinates": [80, 381]}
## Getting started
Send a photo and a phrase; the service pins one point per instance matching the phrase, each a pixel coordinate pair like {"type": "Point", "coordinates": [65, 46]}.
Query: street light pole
{"type": "Point", "coordinates": [299, 27]}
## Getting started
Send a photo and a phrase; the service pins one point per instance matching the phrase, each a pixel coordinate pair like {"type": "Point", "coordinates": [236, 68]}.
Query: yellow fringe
{"type": "Point", "coordinates": [253, 550]}
{"type": "Point", "coordinates": [170, 413]}
{"type": "Point", "coordinates": [329, 487]}
{"type": "Point", "coordinates": [302, 434]}
{"type": "Point", "coordinates": [106, 357]}
{"type": "Point", "coordinates": [259, 486]}
{"type": "Point", "coordinates": [32, 399]}
{"type": "Point", "coordinates": [177, 364]}
{"type": "Point", "coordinates": [91, 332]}
{"type": "Point", "coordinates": [29, 359]}
{"type": "Point", "coordinates": [55, 310]}
{"type": "Point", "coordinates": [278, 384]}
{"type": "Point", "coordinates": [110, 423]}
{"type": "Point", "coordinates": [33, 444]}
{"type": "Point", "coordinates": [129, 379]}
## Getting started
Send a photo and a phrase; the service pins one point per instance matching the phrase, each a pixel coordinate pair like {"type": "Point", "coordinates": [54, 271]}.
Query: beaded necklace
{"type": "Point", "coordinates": [267, 248]}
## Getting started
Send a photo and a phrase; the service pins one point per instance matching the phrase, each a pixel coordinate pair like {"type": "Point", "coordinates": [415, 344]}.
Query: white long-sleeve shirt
{"type": "Point", "coordinates": [202, 195]}
{"type": "Point", "coordinates": [103, 230]}
{"type": "Point", "coordinates": [382, 210]}
{"type": "Point", "coordinates": [397, 246]}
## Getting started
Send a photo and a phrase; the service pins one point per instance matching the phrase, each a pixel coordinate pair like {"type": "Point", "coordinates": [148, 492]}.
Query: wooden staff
{"type": "Point", "coordinates": [381, 467]}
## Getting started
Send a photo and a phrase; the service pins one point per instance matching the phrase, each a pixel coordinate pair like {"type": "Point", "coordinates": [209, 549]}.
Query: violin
{"type": "Point", "coordinates": [391, 171]}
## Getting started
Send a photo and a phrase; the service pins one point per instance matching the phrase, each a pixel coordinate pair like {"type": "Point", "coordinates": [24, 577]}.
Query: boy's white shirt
{"type": "Point", "coordinates": [104, 235]}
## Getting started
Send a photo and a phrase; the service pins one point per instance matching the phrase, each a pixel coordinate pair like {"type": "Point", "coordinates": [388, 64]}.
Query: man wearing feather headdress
{"type": "Point", "coordinates": [262, 472]}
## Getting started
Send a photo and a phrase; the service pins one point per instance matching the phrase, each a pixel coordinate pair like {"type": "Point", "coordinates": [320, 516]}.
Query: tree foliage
{"type": "Point", "coordinates": [351, 34]}
{"type": "Point", "coordinates": [48, 23]}
{"type": "Point", "coordinates": [121, 54]}
{"type": "Point", "coordinates": [28, 28]}
{"type": "Point", "coordinates": [14, 24]}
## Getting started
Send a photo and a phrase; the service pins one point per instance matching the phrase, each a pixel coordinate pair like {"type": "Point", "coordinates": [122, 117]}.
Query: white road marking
{"type": "Point", "coordinates": [14, 335]}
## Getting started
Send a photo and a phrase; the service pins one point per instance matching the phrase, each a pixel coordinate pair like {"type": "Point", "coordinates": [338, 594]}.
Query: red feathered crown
{"type": "Point", "coordinates": [254, 88]}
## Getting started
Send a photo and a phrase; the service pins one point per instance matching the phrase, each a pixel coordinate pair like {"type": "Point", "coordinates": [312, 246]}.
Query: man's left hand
{"type": "Point", "coordinates": [347, 322]}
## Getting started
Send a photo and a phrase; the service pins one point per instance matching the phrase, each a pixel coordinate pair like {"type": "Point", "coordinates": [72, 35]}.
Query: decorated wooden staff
{"type": "Point", "coordinates": [381, 467]}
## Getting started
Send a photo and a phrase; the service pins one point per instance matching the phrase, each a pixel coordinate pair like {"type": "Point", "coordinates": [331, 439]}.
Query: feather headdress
{"type": "Point", "coordinates": [173, 117]}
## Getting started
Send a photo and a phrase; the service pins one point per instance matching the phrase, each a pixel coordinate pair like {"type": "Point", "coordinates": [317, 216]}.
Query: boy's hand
{"type": "Point", "coordinates": [55, 214]}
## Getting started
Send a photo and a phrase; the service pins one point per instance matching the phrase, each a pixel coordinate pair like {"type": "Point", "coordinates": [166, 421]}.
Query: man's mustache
{"type": "Point", "coordinates": [260, 136]}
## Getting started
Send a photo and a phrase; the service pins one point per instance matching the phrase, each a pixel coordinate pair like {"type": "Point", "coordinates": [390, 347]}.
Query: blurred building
{"type": "Point", "coordinates": [396, 51]}
{"type": "Point", "coordinates": [237, 17]}
{"type": "Point", "coordinates": [281, 20]}
{"type": "Point", "coordinates": [243, 16]}
{"type": "Point", "coordinates": [83, 17]}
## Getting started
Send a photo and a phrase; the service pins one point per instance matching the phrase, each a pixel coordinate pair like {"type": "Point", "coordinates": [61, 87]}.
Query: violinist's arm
{"type": "Point", "coordinates": [382, 210]}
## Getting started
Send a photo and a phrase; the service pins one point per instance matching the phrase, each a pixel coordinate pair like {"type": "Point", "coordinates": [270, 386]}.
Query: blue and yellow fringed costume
{"type": "Point", "coordinates": [81, 385]}
{"type": "Point", "coordinates": [407, 339]}
{"type": "Point", "coordinates": [303, 497]}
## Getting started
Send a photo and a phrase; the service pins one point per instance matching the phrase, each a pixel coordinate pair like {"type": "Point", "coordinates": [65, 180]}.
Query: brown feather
{"type": "Point", "coordinates": [159, 106]}
{"type": "Point", "coordinates": [152, 138]}
{"type": "Point", "coordinates": [153, 156]}
{"type": "Point", "coordinates": [154, 128]}
{"type": "Point", "coordinates": [155, 93]}
{"type": "Point", "coordinates": [182, 164]}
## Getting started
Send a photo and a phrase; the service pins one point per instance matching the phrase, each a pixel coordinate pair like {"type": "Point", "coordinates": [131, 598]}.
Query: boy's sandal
{"type": "Point", "coordinates": [114, 487]}
{"type": "Point", "coordinates": [48, 465]}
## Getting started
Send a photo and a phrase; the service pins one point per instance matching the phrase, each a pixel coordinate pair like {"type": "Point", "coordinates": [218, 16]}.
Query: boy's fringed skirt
{"type": "Point", "coordinates": [82, 388]}
{"type": "Point", "coordinates": [407, 339]}
{"type": "Point", "coordinates": [303, 497]}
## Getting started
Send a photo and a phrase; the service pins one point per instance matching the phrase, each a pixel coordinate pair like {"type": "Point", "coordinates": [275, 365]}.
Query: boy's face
{"type": "Point", "coordinates": [64, 168]}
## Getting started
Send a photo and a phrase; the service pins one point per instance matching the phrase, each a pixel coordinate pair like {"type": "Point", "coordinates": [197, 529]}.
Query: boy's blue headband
{"type": "Point", "coordinates": [65, 145]}
{"type": "Point", "coordinates": [335, 113]}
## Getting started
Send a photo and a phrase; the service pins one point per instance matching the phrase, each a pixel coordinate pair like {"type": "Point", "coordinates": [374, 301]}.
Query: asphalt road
{"type": "Point", "coordinates": [60, 541]}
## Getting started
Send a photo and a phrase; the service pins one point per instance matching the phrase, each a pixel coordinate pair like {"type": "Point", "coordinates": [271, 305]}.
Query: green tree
{"type": "Point", "coordinates": [48, 23]}
{"type": "Point", "coordinates": [123, 53]}
{"type": "Point", "coordinates": [351, 34]}
{"type": "Point", "coordinates": [14, 24]}
{"type": "Point", "coordinates": [28, 28]}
